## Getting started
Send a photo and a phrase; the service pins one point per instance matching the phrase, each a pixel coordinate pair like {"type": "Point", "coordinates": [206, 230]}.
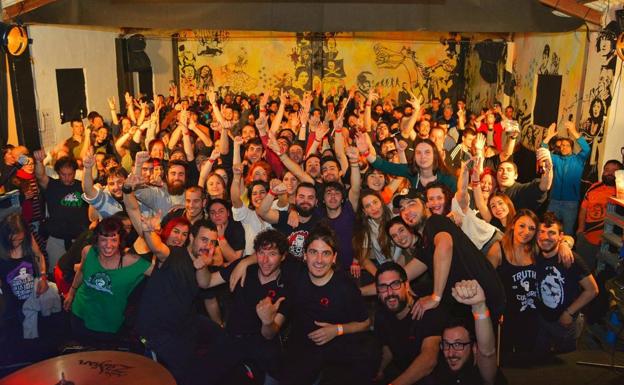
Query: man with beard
{"type": "Point", "coordinates": [448, 253]}
{"type": "Point", "coordinates": [164, 198]}
{"type": "Point", "coordinates": [307, 218]}
{"type": "Point", "coordinates": [249, 336]}
{"type": "Point", "coordinates": [106, 201]}
{"type": "Point", "coordinates": [563, 291]}
{"type": "Point", "coordinates": [194, 203]}
{"type": "Point", "coordinates": [409, 347]}
{"type": "Point", "coordinates": [166, 317]}
{"type": "Point", "coordinates": [468, 349]}
{"type": "Point", "coordinates": [593, 211]}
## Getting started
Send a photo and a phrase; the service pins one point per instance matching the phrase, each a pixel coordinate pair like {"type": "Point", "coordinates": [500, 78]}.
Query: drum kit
{"type": "Point", "coordinates": [93, 368]}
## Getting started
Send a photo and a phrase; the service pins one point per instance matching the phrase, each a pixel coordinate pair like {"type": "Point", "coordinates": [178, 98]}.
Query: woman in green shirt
{"type": "Point", "coordinates": [426, 167]}
{"type": "Point", "coordinates": [100, 290]}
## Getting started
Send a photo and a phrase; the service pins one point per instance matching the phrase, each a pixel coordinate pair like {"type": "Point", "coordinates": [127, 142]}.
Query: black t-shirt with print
{"type": "Point", "coordinates": [404, 337]}
{"type": "Point", "coordinates": [68, 213]}
{"type": "Point", "coordinates": [558, 286]}
{"type": "Point", "coordinates": [17, 278]}
{"type": "Point", "coordinates": [296, 235]}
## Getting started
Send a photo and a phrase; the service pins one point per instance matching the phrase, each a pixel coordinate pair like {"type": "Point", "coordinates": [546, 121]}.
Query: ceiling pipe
{"type": "Point", "coordinates": [573, 8]}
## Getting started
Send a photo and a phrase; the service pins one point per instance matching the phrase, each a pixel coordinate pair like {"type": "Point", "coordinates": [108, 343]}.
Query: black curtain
{"type": "Point", "coordinates": [4, 106]}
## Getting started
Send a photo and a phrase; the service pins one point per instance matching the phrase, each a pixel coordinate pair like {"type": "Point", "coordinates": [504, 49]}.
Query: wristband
{"type": "Point", "coordinates": [366, 154]}
{"type": "Point", "coordinates": [263, 110]}
{"type": "Point", "coordinates": [221, 237]}
{"type": "Point", "coordinates": [478, 316]}
{"type": "Point", "coordinates": [340, 329]}
{"type": "Point", "coordinates": [272, 192]}
{"type": "Point", "coordinates": [211, 160]}
{"type": "Point", "coordinates": [436, 298]}
{"type": "Point", "coordinates": [368, 104]}
{"type": "Point", "coordinates": [43, 277]}
{"type": "Point", "coordinates": [354, 164]}
{"type": "Point", "coordinates": [317, 140]}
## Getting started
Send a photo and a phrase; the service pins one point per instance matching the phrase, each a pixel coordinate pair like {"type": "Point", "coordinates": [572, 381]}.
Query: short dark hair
{"type": "Point", "coordinates": [205, 223]}
{"type": "Point", "coordinates": [92, 115]}
{"type": "Point", "coordinates": [395, 221]}
{"type": "Point", "coordinates": [271, 238]}
{"type": "Point", "coordinates": [117, 172]}
{"type": "Point", "coordinates": [65, 161]}
{"type": "Point", "coordinates": [391, 266]}
{"type": "Point", "coordinates": [177, 162]}
{"type": "Point", "coordinates": [322, 232]}
{"type": "Point", "coordinates": [326, 159]}
{"type": "Point", "coordinates": [549, 218]}
{"type": "Point", "coordinates": [615, 162]}
{"type": "Point", "coordinates": [462, 322]}
{"type": "Point", "coordinates": [306, 185]}
{"type": "Point", "coordinates": [220, 201]}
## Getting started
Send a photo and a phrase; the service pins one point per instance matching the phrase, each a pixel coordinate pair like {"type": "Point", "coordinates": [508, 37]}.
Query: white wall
{"type": "Point", "coordinates": [160, 52]}
{"type": "Point", "coordinates": [71, 47]}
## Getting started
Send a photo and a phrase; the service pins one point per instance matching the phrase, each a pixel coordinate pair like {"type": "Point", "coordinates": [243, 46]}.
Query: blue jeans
{"type": "Point", "coordinates": [567, 212]}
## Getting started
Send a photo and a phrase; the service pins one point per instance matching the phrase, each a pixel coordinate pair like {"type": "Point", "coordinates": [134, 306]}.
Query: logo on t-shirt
{"type": "Point", "coordinates": [72, 199]}
{"type": "Point", "coordinates": [100, 281]}
{"type": "Point", "coordinates": [296, 239]}
{"type": "Point", "coordinates": [21, 280]}
{"type": "Point", "coordinates": [271, 294]}
{"type": "Point", "coordinates": [551, 288]}
{"type": "Point", "coordinates": [324, 302]}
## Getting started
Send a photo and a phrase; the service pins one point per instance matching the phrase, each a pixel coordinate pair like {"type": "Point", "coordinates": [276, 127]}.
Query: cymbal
{"type": "Point", "coordinates": [93, 368]}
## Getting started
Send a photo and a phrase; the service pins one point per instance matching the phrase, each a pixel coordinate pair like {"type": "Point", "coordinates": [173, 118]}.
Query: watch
{"type": "Point", "coordinates": [126, 189]}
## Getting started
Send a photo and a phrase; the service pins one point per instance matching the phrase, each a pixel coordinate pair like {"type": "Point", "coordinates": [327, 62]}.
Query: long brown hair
{"type": "Point", "coordinates": [508, 238]}
{"type": "Point", "coordinates": [508, 202]}
{"type": "Point", "coordinates": [362, 242]}
{"type": "Point", "coordinates": [438, 164]}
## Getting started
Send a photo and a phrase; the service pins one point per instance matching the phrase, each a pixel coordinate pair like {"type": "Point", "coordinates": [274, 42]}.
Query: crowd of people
{"type": "Point", "coordinates": [251, 233]}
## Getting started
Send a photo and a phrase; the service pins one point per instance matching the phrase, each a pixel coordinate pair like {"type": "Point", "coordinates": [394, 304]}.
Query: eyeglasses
{"type": "Point", "coordinates": [394, 285]}
{"type": "Point", "coordinates": [457, 346]}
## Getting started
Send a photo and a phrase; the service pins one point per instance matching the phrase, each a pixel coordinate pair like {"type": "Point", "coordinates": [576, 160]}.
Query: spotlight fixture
{"type": "Point", "coordinates": [14, 38]}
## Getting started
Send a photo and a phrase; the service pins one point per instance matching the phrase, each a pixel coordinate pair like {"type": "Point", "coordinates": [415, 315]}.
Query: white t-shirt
{"type": "Point", "coordinates": [478, 230]}
{"type": "Point", "coordinates": [252, 224]}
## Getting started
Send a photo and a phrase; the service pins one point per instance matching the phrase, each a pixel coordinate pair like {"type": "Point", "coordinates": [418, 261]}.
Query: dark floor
{"type": "Point", "coordinates": [567, 372]}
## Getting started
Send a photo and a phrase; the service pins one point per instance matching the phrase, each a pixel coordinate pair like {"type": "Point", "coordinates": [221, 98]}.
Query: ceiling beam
{"type": "Point", "coordinates": [574, 8]}
{"type": "Point", "coordinates": [12, 11]}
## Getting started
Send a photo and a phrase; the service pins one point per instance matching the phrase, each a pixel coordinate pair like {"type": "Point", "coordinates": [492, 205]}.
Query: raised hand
{"type": "Point", "coordinates": [151, 223]}
{"type": "Point", "coordinates": [111, 103]}
{"type": "Point", "coordinates": [572, 131]}
{"type": "Point", "coordinates": [480, 142]}
{"type": "Point", "coordinates": [215, 154]}
{"type": "Point", "coordinates": [352, 154]}
{"type": "Point", "coordinates": [212, 96]}
{"type": "Point", "coordinates": [415, 102]}
{"type": "Point", "coordinates": [284, 97]}
{"type": "Point", "coordinates": [279, 189]}
{"type": "Point", "coordinates": [372, 96]}
{"type": "Point", "coordinates": [128, 98]}
{"type": "Point", "coordinates": [400, 145]}
{"type": "Point", "coordinates": [361, 142]}
{"type": "Point", "coordinates": [39, 155]}
{"type": "Point", "coordinates": [204, 259]}
{"type": "Point", "coordinates": [468, 292]}
{"type": "Point", "coordinates": [238, 141]}
{"type": "Point", "coordinates": [88, 160]}
{"type": "Point", "coordinates": [266, 309]}
{"type": "Point", "coordinates": [133, 180]}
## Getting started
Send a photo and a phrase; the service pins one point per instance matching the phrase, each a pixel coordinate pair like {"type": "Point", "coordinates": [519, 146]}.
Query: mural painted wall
{"type": "Point", "coordinates": [485, 73]}
{"type": "Point", "coordinates": [244, 62]}
{"type": "Point", "coordinates": [598, 93]}
{"type": "Point", "coordinates": [547, 54]}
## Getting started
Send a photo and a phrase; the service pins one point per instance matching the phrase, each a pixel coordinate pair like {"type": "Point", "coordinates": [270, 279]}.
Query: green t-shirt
{"type": "Point", "coordinates": [101, 299]}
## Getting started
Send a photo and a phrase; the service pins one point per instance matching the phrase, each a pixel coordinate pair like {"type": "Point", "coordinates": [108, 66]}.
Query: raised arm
{"type": "Point", "coordinates": [265, 211]}
{"type": "Point", "coordinates": [442, 257]}
{"type": "Point", "coordinates": [543, 157]}
{"type": "Point", "coordinates": [40, 174]}
{"type": "Point", "coordinates": [277, 121]}
{"type": "Point", "coordinates": [113, 110]}
{"type": "Point", "coordinates": [151, 225]}
{"type": "Point", "coordinates": [207, 167]}
{"type": "Point", "coordinates": [87, 178]}
{"type": "Point", "coordinates": [289, 163]}
{"type": "Point", "coordinates": [356, 177]}
{"type": "Point", "coordinates": [235, 188]}
{"type": "Point", "coordinates": [470, 293]}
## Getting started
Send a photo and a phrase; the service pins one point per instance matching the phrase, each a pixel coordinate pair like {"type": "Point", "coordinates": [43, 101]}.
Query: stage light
{"type": "Point", "coordinates": [14, 38]}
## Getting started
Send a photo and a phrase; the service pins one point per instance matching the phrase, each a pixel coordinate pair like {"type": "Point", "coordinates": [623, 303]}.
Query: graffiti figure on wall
{"type": "Point", "coordinates": [236, 76]}
{"type": "Point", "coordinates": [600, 97]}
{"type": "Point", "coordinates": [424, 81]}
{"type": "Point", "coordinates": [211, 43]}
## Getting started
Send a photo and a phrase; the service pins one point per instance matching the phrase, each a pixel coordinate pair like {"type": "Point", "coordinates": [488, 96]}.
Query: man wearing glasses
{"type": "Point", "coordinates": [410, 346]}
{"type": "Point", "coordinates": [468, 350]}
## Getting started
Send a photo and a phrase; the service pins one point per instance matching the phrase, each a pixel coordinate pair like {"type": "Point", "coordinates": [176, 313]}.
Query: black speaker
{"type": "Point", "coordinates": [547, 100]}
{"type": "Point", "coordinates": [136, 59]}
